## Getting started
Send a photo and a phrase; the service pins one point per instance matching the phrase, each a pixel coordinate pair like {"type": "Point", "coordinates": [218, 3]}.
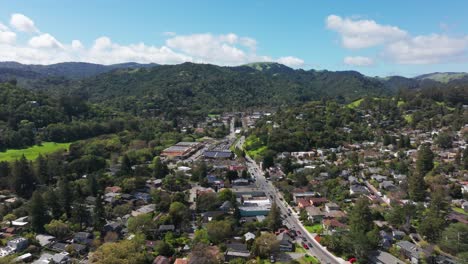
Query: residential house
{"type": "Point", "coordinates": [236, 250]}
{"type": "Point", "coordinates": [387, 185]}
{"type": "Point", "coordinates": [115, 227]}
{"type": "Point", "coordinates": [45, 240]}
{"type": "Point", "coordinates": [303, 202]}
{"type": "Point", "coordinates": [382, 257]}
{"type": "Point", "coordinates": [398, 235]}
{"type": "Point", "coordinates": [161, 260]}
{"type": "Point", "coordinates": [317, 201]}
{"type": "Point", "coordinates": [84, 238]}
{"type": "Point", "coordinates": [331, 207]}
{"type": "Point", "coordinates": [358, 189]}
{"type": "Point", "coordinates": [59, 258]}
{"type": "Point", "coordinates": [18, 244]}
{"type": "Point", "coordinates": [332, 225]}
{"type": "Point", "coordinates": [249, 236]}
{"type": "Point", "coordinates": [315, 214]}
{"type": "Point", "coordinates": [410, 250]}
{"type": "Point", "coordinates": [285, 242]}
{"type": "Point", "coordinates": [181, 261]}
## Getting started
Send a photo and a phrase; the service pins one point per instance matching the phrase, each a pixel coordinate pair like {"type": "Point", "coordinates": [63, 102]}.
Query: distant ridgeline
{"type": "Point", "coordinates": [69, 101]}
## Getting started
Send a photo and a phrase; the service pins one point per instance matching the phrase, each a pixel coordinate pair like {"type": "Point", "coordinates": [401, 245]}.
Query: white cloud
{"type": "Point", "coordinates": [6, 36]}
{"type": "Point", "coordinates": [76, 44]}
{"type": "Point", "coordinates": [45, 41]}
{"type": "Point", "coordinates": [23, 23]}
{"type": "Point", "coordinates": [208, 48]}
{"type": "Point", "coordinates": [229, 49]}
{"type": "Point", "coordinates": [290, 61]}
{"type": "Point", "coordinates": [427, 49]}
{"type": "Point", "coordinates": [398, 45]}
{"type": "Point", "coordinates": [358, 34]}
{"type": "Point", "coordinates": [358, 61]}
{"type": "Point", "coordinates": [106, 52]}
{"type": "Point", "coordinates": [43, 48]}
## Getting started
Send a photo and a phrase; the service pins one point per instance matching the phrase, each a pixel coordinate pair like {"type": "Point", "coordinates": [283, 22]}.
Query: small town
{"type": "Point", "coordinates": [210, 199]}
{"type": "Point", "coordinates": [233, 132]}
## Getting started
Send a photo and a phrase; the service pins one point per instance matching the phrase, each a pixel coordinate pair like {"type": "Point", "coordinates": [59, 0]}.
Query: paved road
{"type": "Point", "coordinates": [291, 218]}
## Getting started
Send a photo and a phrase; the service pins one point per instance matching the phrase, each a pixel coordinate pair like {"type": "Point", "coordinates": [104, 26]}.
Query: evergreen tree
{"type": "Point", "coordinates": [268, 161]}
{"type": "Point", "coordinates": [416, 187]}
{"type": "Point", "coordinates": [80, 214]}
{"type": "Point", "coordinates": [93, 184]}
{"type": "Point", "coordinates": [65, 196]}
{"type": "Point", "coordinates": [42, 170]}
{"type": "Point", "coordinates": [99, 217]}
{"type": "Point", "coordinates": [126, 166]}
{"type": "Point", "coordinates": [274, 217]}
{"type": "Point", "coordinates": [159, 168]}
{"type": "Point", "coordinates": [425, 160]}
{"type": "Point", "coordinates": [53, 204]}
{"type": "Point", "coordinates": [433, 222]}
{"type": "Point", "coordinates": [38, 212]}
{"type": "Point", "coordinates": [362, 231]}
{"type": "Point", "coordinates": [22, 178]}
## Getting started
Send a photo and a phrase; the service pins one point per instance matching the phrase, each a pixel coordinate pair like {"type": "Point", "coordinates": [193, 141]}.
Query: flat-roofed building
{"type": "Point", "coordinates": [181, 149]}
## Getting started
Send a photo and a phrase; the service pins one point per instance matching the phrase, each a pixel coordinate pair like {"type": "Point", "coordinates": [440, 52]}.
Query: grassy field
{"type": "Point", "coordinates": [459, 210]}
{"type": "Point", "coordinates": [254, 147]}
{"type": "Point", "coordinates": [31, 153]}
{"type": "Point", "coordinates": [355, 103]}
{"type": "Point", "coordinates": [308, 260]}
{"type": "Point", "coordinates": [317, 228]}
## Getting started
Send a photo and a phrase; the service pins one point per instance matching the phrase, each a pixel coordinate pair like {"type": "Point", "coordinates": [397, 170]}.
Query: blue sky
{"type": "Point", "coordinates": [373, 37]}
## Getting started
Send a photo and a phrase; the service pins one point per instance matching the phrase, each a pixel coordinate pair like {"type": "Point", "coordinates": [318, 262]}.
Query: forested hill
{"type": "Point", "coordinates": [203, 87]}
{"type": "Point", "coordinates": [28, 75]}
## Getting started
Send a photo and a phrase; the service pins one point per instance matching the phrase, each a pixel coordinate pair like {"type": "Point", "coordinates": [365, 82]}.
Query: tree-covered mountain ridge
{"type": "Point", "coordinates": [195, 88]}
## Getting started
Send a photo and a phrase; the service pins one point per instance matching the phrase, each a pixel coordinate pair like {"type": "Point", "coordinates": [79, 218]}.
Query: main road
{"type": "Point", "coordinates": [290, 218]}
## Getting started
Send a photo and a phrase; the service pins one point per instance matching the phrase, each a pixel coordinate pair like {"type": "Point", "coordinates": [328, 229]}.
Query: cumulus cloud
{"type": "Point", "coordinates": [358, 34]}
{"type": "Point", "coordinates": [358, 61]}
{"type": "Point", "coordinates": [43, 48]}
{"type": "Point", "coordinates": [428, 49]}
{"type": "Point", "coordinates": [398, 45]}
{"type": "Point", "coordinates": [228, 49]}
{"type": "Point", "coordinates": [6, 36]}
{"type": "Point", "coordinates": [76, 44]}
{"type": "Point", "coordinates": [23, 23]}
{"type": "Point", "coordinates": [290, 61]}
{"type": "Point", "coordinates": [45, 41]}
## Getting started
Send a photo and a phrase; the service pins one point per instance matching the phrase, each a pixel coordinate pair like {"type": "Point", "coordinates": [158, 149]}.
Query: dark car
{"type": "Point", "coordinates": [293, 233]}
{"type": "Point", "coordinates": [298, 232]}
{"type": "Point", "coordinates": [305, 245]}
{"type": "Point", "coordinates": [310, 245]}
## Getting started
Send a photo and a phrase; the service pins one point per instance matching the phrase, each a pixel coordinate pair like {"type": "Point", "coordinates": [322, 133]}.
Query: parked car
{"type": "Point", "coordinates": [305, 245]}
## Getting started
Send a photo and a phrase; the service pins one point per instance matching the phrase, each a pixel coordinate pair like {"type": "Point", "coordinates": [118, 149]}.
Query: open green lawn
{"type": "Point", "coordinates": [317, 228]}
{"type": "Point", "coordinates": [355, 103]}
{"type": "Point", "coordinates": [254, 147]}
{"type": "Point", "coordinates": [459, 210]}
{"type": "Point", "coordinates": [31, 153]}
{"type": "Point", "coordinates": [307, 259]}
